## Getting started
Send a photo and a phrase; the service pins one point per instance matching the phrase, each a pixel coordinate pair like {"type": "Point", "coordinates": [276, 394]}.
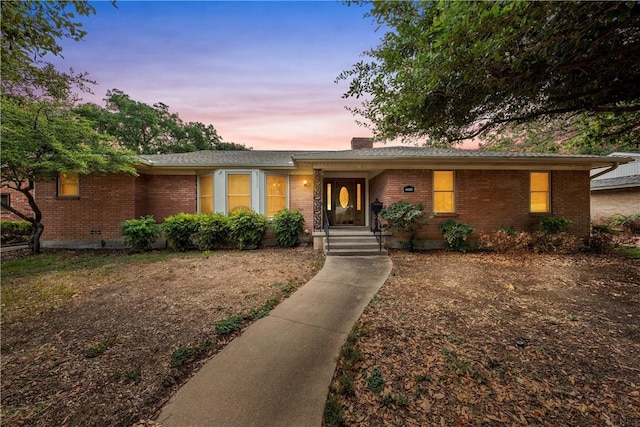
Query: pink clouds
{"type": "Point", "coordinates": [261, 72]}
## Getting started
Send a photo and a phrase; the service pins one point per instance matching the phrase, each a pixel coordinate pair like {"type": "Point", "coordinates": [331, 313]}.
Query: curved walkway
{"type": "Point", "coordinates": [278, 372]}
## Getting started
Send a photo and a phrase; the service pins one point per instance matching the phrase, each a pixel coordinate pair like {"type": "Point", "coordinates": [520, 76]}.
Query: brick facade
{"type": "Point", "coordinates": [488, 199]}
{"type": "Point", "coordinates": [94, 219]}
{"type": "Point", "coordinates": [165, 195]}
{"type": "Point", "coordinates": [18, 201]}
{"type": "Point", "coordinates": [606, 203]}
{"type": "Point", "coordinates": [90, 219]}
{"type": "Point", "coordinates": [301, 197]}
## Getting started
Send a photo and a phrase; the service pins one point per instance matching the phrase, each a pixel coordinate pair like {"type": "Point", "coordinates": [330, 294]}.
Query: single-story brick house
{"type": "Point", "coordinates": [616, 191]}
{"type": "Point", "coordinates": [486, 189]}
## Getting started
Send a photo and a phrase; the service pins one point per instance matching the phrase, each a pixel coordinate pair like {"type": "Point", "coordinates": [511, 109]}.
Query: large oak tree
{"type": "Point", "coordinates": [448, 71]}
{"type": "Point", "coordinates": [151, 129]}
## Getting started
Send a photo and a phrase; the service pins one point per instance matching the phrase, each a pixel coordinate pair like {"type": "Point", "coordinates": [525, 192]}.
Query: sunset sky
{"type": "Point", "coordinates": [262, 73]}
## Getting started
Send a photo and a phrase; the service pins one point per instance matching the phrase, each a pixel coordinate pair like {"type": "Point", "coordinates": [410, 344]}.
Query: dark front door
{"type": "Point", "coordinates": [344, 199]}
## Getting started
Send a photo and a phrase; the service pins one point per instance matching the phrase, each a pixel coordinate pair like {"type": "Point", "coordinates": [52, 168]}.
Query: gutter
{"type": "Point", "coordinates": [613, 167]}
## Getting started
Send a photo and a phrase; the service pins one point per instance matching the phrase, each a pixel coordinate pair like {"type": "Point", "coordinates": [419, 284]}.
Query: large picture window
{"type": "Point", "coordinates": [68, 184]}
{"type": "Point", "coordinates": [276, 194]}
{"type": "Point", "coordinates": [443, 192]}
{"type": "Point", "coordinates": [539, 192]}
{"type": "Point", "coordinates": [206, 194]}
{"type": "Point", "coordinates": [238, 191]}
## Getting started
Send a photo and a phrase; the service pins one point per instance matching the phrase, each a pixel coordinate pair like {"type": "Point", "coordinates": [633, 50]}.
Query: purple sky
{"type": "Point", "coordinates": [262, 73]}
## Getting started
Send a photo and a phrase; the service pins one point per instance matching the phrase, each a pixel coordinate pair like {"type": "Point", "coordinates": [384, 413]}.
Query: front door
{"type": "Point", "coordinates": [344, 200]}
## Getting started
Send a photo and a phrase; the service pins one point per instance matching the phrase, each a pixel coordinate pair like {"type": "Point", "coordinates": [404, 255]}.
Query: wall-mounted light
{"type": "Point", "coordinates": [305, 183]}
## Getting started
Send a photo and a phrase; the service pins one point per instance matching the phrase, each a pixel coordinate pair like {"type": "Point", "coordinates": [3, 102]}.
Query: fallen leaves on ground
{"type": "Point", "coordinates": [486, 339]}
{"type": "Point", "coordinates": [101, 357]}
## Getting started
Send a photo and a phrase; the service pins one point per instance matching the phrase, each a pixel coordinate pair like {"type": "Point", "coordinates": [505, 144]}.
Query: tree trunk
{"type": "Point", "coordinates": [34, 241]}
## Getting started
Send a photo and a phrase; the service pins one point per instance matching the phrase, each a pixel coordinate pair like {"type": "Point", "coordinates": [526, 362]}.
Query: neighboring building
{"type": "Point", "coordinates": [617, 191]}
{"type": "Point", "coordinates": [486, 189]}
{"type": "Point", "coordinates": [16, 200]}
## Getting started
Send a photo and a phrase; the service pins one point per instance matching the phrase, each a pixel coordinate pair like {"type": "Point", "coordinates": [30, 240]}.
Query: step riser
{"type": "Point", "coordinates": [352, 244]}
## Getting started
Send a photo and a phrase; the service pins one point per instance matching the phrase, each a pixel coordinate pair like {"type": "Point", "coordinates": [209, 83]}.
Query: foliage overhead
{"type": "Point", "coordinates": [147, 129]}
{"type": "Point", "coordinates": [40, 139]}
{"type": "Point", "coordinates": [448, 71]}
{"type": "Point", "coordinates": [31, 30]}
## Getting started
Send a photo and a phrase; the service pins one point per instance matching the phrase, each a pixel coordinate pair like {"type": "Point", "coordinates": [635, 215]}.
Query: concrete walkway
{"type": "Point", "coordinates": [278, 372]}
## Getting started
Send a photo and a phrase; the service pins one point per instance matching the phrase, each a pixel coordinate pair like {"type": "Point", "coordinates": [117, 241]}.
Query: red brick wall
{"type": "Point", "coordinates": [104, 203]}
{"type": "Point", "coordinates": [17, 201]}
{"type": "Point", "coordinates": [301, 197]}
{"type": "Point", "coordinates": [165, 195]}
{"type": "Point", "coordinates": [488, 199]}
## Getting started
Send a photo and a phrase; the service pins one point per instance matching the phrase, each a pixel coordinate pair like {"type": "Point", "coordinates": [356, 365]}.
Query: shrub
{"type": "Point", "coordinates": [287, 225]}
{"type": "Point", "coordinates": [629, 223]}
{"type": "Point", "coordinates": [178, 229]}
{"type": "Point", "coordinates": [247, 228]}
{"type": "Point", "coordinates": [407, 217]}
{"type": "Point", "coordinates": [455, 234]}
{"type": "Point", "coordinates": [15, 231]}
{"type": "Point", "coordinates": [212, 231]}
{"type": "Point", "coordinates": [553, 224]}
{"type": "Point", "coordinates": [140, 234]}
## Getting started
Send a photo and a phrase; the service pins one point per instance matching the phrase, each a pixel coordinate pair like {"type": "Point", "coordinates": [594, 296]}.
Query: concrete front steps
{"type": "Point", "coordinates": [352, 241]}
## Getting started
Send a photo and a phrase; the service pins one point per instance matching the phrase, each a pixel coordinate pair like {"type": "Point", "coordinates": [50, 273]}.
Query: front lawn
{"type": "Point", "coordinates": [94, 338]}
{"type": "Point", "coordinates": [485, 339]}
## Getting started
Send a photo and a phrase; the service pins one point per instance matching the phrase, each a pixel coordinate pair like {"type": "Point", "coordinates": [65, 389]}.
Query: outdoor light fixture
{"type": "Point", "coordinates": [305, 183]}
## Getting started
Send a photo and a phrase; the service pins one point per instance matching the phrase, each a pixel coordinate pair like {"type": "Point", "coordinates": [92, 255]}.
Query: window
{"type": "Point", "coordinates": [329, 203]}
{"type": "Point", "coordinates": [68, 184]}
{"type": "Point", "coordinates": [206, 194]}
{"type": "Point", "coordinates": [6, 201]}
{"type": "Point", "coordinates": [276, 194]}
{"type": "Point", "coordinates": [238, 191]}
{"type": "Point", "coordinates": [539, 192]}
{"type": "Point", "coordinates": [443, 192]}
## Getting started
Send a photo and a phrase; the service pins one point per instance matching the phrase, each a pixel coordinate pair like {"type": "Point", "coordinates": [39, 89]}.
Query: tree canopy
{"type": "Point", "coordinates": [147, 129]}
{"type": "Point", "coordinates": [447, 71]}
{"type": "Point", "coordinates": [40, 140]}
{"type": "Point", "coordinates": [41, 135]}
{"type": "Point", "coordinates": [30, 31]}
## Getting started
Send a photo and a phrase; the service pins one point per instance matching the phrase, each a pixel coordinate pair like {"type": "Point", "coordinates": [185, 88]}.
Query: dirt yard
{"type": "Point", "coordinates": [484, 339]}
{"type": "Point", "coordinates": [92, 347]}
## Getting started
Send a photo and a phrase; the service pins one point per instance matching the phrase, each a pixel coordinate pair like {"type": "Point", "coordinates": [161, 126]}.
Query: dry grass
{"type": "Point", "coordinates": [483, 339]}
{"type": "Point", "coordinates": [92, 345]}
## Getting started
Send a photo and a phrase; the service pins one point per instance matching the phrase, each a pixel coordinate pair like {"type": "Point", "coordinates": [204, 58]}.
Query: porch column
{"type": "Point", "coordinates": [317, 200]}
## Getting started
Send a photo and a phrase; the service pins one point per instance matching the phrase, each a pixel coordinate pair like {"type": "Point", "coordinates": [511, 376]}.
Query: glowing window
{"type": "Point", "coordinates": [206, 194]}
{"type": "Point", "coordinates": [276, 194]}
{"type": "Point", "coordinates": [329, 201]}
{"type": "Point", "coordinates": [238, 192]}
{"type": "Point", "coordinates": [68, 184]}
{"type": "Point", "coordinates": [343, 197]}
{"type": "Point", "coordinates": [358, 197]}
{"type": "Point", "coordinates": [443, 192]}
{"type": "Point", "coordinates": [539, 192]}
